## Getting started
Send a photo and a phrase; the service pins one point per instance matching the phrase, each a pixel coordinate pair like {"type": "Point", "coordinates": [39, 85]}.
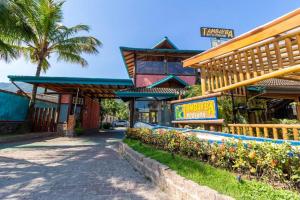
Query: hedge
{"type": "Point", "coordinates": [273, 163]}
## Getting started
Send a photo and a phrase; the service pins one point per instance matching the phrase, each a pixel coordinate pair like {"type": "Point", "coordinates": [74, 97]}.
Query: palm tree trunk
{"type": "Point", "coordinates": [33, 96]}
{"type": "Point", "coordinates": [34, 89]}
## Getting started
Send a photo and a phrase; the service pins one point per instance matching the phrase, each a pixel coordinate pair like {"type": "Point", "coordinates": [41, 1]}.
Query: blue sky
{"type": "Point", "coordinates": [143, 23]}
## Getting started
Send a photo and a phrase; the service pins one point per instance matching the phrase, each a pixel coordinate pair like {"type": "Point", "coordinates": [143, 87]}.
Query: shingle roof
{"type": "Point", "coordinates": [276, 82]}
{"type": "Point", "coordinates": [150, 92]}
{"type": "Point", "coordinates": [276, 85]}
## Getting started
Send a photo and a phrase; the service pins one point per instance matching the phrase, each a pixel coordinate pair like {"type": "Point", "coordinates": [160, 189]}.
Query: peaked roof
{"type": "Point", "coordinates": [165, 43]}
{"type": "Point", "coordinates": [165, 46]}
{"type": "Point", "coordinates": [166, 79]}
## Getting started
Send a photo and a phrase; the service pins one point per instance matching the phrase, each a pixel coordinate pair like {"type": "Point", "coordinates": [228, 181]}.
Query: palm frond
{"type": "Point", "coordinates": [72, 58]}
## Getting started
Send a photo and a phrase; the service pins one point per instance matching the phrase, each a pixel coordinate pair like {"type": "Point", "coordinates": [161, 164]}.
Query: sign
{"type": "Point", "coordinates": [204, 109]}
{"type": "Point", "coordinates": [217, 32]}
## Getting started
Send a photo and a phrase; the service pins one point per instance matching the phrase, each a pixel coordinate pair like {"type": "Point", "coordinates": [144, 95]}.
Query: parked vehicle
{"type": "Point", "coordinates": [120, 123]}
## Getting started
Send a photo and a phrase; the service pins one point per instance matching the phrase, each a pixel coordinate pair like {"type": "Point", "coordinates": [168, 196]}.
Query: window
{"type": "Point", "coordinates": [162, 65]}
{"type": "Point", "coordinates": [175, 67]}
{"type": "Point", "coordinates": [151, 65]}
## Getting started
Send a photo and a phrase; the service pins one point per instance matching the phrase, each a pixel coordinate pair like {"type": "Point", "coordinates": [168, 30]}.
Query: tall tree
{"type": "Point", "coordinates": [42, 34]}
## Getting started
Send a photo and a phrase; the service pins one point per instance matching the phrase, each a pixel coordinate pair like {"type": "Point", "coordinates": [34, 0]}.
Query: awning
{"type": "Point", "coordinates": [94, 87]}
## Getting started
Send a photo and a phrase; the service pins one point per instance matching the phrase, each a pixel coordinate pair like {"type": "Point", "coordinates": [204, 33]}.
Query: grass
{"type": "Point", "coordinates": [218, 179]}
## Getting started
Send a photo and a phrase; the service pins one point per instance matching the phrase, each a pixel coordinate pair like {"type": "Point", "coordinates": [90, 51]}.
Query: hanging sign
{"type": "Point", "coordinates": [203, 109]}
{"type": "Point", "coordinates": [217, 32]}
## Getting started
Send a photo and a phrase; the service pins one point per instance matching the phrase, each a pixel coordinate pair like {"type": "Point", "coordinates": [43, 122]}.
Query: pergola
{"type": "Point", "coordinates": [268, 51]}
{"type": "Point", "coordinates": [271, 51]}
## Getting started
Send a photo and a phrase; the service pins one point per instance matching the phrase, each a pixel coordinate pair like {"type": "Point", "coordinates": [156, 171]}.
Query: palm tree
{"type": "Point", "coordinates": [10, 32]}
{"type": "Point", "coordinates": [42, 34]}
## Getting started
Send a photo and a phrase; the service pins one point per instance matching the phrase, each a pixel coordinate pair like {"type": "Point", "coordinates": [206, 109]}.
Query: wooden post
{"type": "Point", "coordinates": [285, 133]}
{"type": "Point", "coordinates": [297, 107]}
{"type": "Point", "coordinates": [244, 130]}
{"type": "Point", "coordinates": [257, 132]}
{"type": "Point", "coordinates": [295, 134]}
{"type": "Point", "coordinates": [266, 134]}
{"type": "Point", "coordinates": [275, 133]}
{"type": "Point", "coordinates": [289, 50]}
{"type": "Point", "coordinates": [278, 56]}
{"type": "Point", "coordinates": [261, 63]}
{"type": "Point", "coordinates": [269, 58]}
{"type": "Point", "coordinates": [251, 131]}
{"type": "Point", "coordinates": [232, 130]}
{"type": "Point", "coordinates": [203, 80]}
{"type": "Point", "coordinates": [238, 130]}
{"type": "Point", "coordinates": [248, 74]}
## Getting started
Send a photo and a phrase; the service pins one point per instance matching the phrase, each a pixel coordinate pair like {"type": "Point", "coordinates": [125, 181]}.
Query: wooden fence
{"type": "Point", "coordinates": [45, 119]}
{"type": "Point", "coordinates": [274, 131]}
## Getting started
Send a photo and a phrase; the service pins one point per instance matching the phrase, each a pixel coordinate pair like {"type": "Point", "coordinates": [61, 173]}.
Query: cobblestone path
{"type": "Point", "coordinates": [71, 168]}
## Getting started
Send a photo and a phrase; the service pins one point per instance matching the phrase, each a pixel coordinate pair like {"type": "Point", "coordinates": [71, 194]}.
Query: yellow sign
{"type": "Point", "coordinates": [217, 32]}
{"type": "Point", "coordinates": [202, 110]}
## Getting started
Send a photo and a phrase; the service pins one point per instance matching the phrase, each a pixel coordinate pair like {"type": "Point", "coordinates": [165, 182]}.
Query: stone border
{"type": "Point", "coordinates": [26, 136]}
{"type": "Point", "coordinates": [175, 186]}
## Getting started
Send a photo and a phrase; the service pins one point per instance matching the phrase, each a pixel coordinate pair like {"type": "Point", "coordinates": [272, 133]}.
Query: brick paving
{"type": "Point", "coordinates": [71, 168]}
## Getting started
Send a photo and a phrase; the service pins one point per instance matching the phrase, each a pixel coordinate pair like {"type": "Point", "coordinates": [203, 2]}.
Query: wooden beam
{"type": "Point", "coordinates": [271, 29]}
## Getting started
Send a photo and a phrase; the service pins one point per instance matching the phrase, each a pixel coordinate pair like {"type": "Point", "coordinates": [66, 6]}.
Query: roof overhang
{"type": "Point", "coordinates": [94, 87]}
{"type": "Point", "coordinates": [129, 55]}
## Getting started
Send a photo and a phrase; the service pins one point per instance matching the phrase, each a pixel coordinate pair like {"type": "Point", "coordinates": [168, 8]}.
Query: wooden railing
{"type": "Point", "coordinates": [274, 131]}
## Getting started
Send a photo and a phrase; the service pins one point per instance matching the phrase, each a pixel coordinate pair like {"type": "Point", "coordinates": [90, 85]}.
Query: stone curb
{"type": "Point", "coordinates": [175, 186]}
{"type": "Point", "coordinates": [27, 136]}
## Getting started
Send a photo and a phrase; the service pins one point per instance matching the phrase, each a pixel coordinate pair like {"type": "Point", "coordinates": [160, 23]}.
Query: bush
{"type": "Point", "coordinates": [79, 131]}
{"type": "Point", "coordinates": [277, 164]}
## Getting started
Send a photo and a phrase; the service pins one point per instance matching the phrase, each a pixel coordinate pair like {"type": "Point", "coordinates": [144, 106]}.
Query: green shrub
{"type": "Point", "coordinates": [79, 131]}
{"type": "Point", "coordinates": [264, 161]}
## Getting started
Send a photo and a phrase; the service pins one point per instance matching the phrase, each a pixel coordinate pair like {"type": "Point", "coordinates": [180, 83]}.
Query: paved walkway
{"type": "Point", "coordinates": [70, 168]}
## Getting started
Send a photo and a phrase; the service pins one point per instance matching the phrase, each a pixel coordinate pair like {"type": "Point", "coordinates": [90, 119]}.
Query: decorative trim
{"type": "Point", "coordinates": [167, 79]}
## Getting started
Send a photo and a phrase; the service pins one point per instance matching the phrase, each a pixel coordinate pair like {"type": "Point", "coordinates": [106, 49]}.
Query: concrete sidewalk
{"type": "Point", "coordinates": [71, 168]}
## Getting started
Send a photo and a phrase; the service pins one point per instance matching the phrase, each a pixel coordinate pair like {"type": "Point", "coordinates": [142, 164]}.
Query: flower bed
{"type": "Point", "coordinates": [276, 164]}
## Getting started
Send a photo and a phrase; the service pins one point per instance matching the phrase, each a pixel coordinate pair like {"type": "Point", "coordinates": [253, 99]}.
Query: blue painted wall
{"type": "Point", "coordinates": [14, 107]}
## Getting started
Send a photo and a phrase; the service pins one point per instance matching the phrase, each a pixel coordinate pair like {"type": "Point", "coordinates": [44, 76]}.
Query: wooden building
{"type": "Point", "coordinates": [158, 77]}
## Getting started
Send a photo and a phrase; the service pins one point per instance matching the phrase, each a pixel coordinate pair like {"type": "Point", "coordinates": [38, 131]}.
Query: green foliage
{"type": "Point", "coordinates": [263, 161]}
{"type": "Point", "coordinates": [79, 131]}
{"type": "Point", "coordinates": [194, 90]}
{"type": "Point", "coordinates": [114, 108]}
{"type": "Point", "coordinates": [205, 174]}
{"type": "Point", "coordinates": [34, 28]}
{"type": "Point", "coordinates": [285, 121]}
{"type": "Point", "coordinates": [225, 108]}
